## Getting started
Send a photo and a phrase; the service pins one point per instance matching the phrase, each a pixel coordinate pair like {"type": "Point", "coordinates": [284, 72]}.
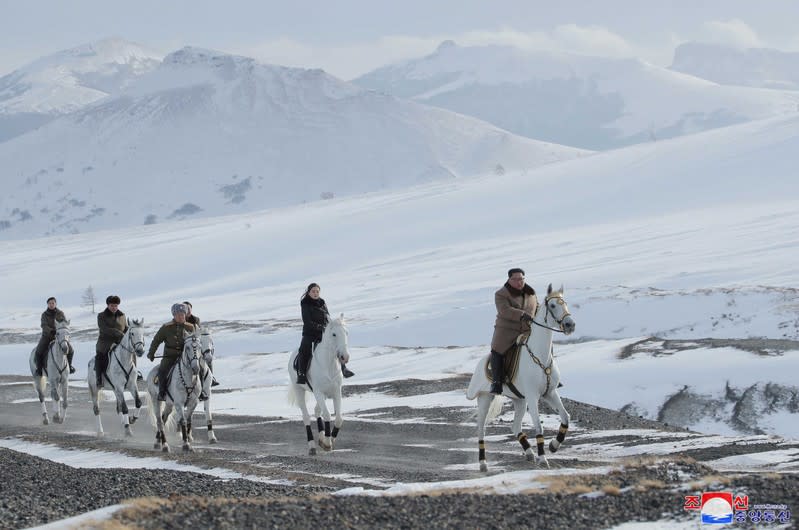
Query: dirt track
{"type": "Point", "coordinates": [437, 444]}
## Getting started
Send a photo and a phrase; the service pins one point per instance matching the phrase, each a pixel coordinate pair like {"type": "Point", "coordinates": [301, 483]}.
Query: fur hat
{"type": "Point", "coordinates": [179, 308]}
{"type": "Point", "coordinates": [113, 299]}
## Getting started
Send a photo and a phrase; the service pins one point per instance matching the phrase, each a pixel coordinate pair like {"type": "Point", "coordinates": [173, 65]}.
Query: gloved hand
{"type": "Point", "coordinates": [151, 356]}
{"type": "Point", "coordinates": [527, 318]}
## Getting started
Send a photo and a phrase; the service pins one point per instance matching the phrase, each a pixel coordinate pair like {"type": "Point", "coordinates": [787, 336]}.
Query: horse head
{"type": "Point", "coordinates": [557, 309]}
{"type": "Point", "coordinates": [191, 347]}
{"type": "Point", "coordinates": [136, 335]}
{"type": "Point", "coordinates": [62, 335]}
{"type": "Point", "coordinates": [207, 345]}
{"type": "Point", "coordinates": [336, 334]}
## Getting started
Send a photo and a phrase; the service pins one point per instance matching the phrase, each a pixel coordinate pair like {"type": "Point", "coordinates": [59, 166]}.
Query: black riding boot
{"type": "Point", "coordinates": [497, 372]}
{"type": "Point", "coordinates": [70, 355]}
{"type": "Point", "coordinates": [163, 375]}
{"type": "Point", "coordinates": [346, 371]}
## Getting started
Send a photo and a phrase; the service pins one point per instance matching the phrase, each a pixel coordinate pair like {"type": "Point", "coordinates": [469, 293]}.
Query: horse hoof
{"type": "Point", "coordinates": [45, 421]}
{"type": "Point", "coordinates": [552, 447]}
{"type": "Point", "coordinates": [165, 448]}
{"type": "Point", "coordinates": [157, 445]}
{"type": "Point", "coordinates": [128, 433]}
{"type": "Point", "coordinates": [483, 466]}
{"type": "Point", "coordinates": [188, 449]}
{"type": "Point", "coordinates": [212, 440]}
{"type": "Point", "coordinates": [132, 419]}
{"type": "Point", "coordinates": [529, 457]}
{"type": "Point", "coordinates": [312, 451]}
{"type": "Point", "coordinates": [100, 434]}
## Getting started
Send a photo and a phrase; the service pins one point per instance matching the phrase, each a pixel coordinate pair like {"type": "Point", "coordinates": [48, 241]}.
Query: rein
{"type": "Point", "coordinates": [187, 388]}
{"type": "Point", "coordinates": [119, 362]}
{"type": "Point", "coordinates": [547, 369]}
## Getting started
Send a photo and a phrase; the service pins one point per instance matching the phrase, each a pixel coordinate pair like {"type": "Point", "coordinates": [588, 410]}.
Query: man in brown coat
{"type": "Point", "coordinates": [171, 334]}
{"type": "Point", "coordinates": [516, 304]}
{"type": "Point", "coordinates": [112, 324]}
{"type": "Point", "coordinates": [50, 316]}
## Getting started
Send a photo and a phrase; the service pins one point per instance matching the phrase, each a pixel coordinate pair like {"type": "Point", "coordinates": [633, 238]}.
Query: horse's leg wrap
{"type": "Point", "coordinates": [481, 450]}
{"type": "Point", "coordinates": [319, 426]}
{"type": "Point", "coordinates": [309, 433]}
{"type": "Point", "coordinates": [96, 409]}
{"type": "Point", "coordinates": [123, 407]}
{"type": "Point", "coordinates": [335, 432]}
{"type": "Point", "coordinates": [539, 442]}
{"type": "Point", "coordinates": [327, 429]}
{"type": "Point", "coordinates": [137, 401]}
{"type": "Point", "coordinates": [555, 444]}
{"type": "Point", "coordinates": [183, 431]}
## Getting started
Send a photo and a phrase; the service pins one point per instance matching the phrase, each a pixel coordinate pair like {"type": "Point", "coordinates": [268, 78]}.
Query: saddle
{"type": "Point", "coordinates": [510, 361]}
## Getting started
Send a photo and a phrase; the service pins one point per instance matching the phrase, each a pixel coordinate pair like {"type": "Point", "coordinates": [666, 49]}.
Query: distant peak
{"type": "Point", "coordinates": [447, 44]}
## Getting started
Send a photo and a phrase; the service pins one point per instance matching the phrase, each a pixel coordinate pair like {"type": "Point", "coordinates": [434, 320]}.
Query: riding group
{"type": "Point", "coordinates": [520, 366]}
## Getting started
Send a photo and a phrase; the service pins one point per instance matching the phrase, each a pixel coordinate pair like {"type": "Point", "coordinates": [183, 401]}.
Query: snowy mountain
{"type": "Point", "coordinates": [754, 67]}
{"type": "Point", "coordinates": [590, 102]}
{"type": "Point", "coordinates": [209, 134]}
{"type": "Point", "coordinates": [67, 81]}
{"type": "Point", "coordinates": [681, 240]}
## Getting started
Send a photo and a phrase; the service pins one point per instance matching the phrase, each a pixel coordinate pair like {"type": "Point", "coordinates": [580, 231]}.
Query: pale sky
{"type": "Point", "coordinates": [350, 37]}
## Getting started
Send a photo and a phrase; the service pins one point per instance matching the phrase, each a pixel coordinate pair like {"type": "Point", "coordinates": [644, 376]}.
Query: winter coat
{"type": "Point", "coordinates": [49, 318]}
{"type": "Point", "coordinates": [512, 304]}
{"type": "Point", "coordinates": [112, 328]}
{"type": "Point", "coordinates": [171, 334]}
{"type": "Point", "coordinates": [194, 320]}
{"type": "Point", "coordinates": [315, 317]}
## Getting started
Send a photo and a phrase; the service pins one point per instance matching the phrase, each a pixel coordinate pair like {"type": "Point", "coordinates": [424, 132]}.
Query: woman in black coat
{"type": "Point", "coordinates": [314, 319]}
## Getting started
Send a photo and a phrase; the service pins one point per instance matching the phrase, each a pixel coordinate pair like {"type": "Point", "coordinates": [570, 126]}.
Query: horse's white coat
{"type": "Point", "coordinates": [56, 373]}
{"type": "Point", "coordinates": [531, 379]}
{"type": "Point", "coordinates": [325, 380]}
{"type": "Point", "coordinates": [120, 375]}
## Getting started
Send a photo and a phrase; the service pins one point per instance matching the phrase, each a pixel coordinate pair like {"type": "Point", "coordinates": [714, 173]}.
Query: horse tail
{"type": "Point", "coordinates": [495, 408]}
{"type": "Point", "coordinates": [291, 395]}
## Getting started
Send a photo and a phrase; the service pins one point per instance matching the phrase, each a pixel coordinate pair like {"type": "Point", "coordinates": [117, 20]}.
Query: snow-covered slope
{"type": "Point", "coordinates": [683, 239]}
{"type": "Point", "coordinates": [754, 67]}
{"type": "Point", "coordinates": [209, 134]}
{"type": "Point", "coordinates": [67, 81]}
{"type": "Point", "coordinates": [589, 102]}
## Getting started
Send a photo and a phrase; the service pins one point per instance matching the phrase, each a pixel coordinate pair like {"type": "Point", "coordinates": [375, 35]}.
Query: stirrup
{"type": "Point", "coordinates": [139, 377]}
{"type": "Point", "coordinates": [496, 388]}
{"type": "Point", "coordinates": [161, 397]}
{"type": "Point", "coordinates": [347, 372]}
{"type": "Point", "coordinates": [71, 369]}
{"type": "Point", "coordinates": [302, 379]}
{"type": "Point", "coordinates": [214, 382]}
{"type": "Point", "coordinates": [203, 396]}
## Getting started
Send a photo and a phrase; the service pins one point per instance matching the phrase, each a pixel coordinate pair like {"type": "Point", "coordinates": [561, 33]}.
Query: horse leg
{"type": "Point", "coordinates": [180, 410]}
{"type": "Point", "coordinates": [339, 419]}
{"type": "Point", "coordinates": [40, 384]}
{"type": "Point", "coordinates": [122, 410]}
{"type": "Point", "coordinates": [54, 385]}
{"type": "Point", "coordinates": [483, 403]}
{"type": "Point", "coordinates": [324, 440]}
{"type": "Point", "coordinates": [554, 401]}
{"type": "Point", "coordinates": [167, 410]}
{"type": "Point", "coordinates": [134, 390]}
{"type": "Point", "coordinates": [95, 393]}
{"type": "Point", "coordinates": [519, 409]}
{"type": "Point", "coordinates": [306, 418]}
{"type": "Point", "coordinates": [532, 407]}
{"type": "Point", "coordinates": [64, 394]}
{"type": "Point", "coordinates": [160, 439]}
{"type": "Point", "coordinates": [208, 419]}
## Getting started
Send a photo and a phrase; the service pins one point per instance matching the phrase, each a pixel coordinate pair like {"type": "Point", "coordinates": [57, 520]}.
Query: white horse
{"type": "Point", "coordinates": [56, 372]}
{"type": "Point", "coordinates": [182, 393]}
{"type": "Point", "coordinates": [120, 375]}
{"type": "Point", "coordinates": [325, 381]}
{"type": "Point", "coordinates": [206, 378]}
{"type": "Point", "coordinates": [537, 378]}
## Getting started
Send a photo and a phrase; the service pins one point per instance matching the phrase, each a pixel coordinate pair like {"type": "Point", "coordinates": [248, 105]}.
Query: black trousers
{"type": "Point", "coordinates": [163, 372]}
{"type": "Point", "coordinates": [304, 354]}
{"type": "Point", "coordinates": [41, 351]}
{"type": "Point", "coordinates": [100, 364]}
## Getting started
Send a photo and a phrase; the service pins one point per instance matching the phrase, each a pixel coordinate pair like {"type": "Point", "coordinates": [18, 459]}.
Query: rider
{"type": "Point", "coordinates": [171, 334]}
{"type": "Point", "coordinates": [191, 318]}
{"type": "Point", "coordinates": [314, 319]}
{"type": "Point", "coordinates": [112, 324]}
{"type": "Point", "coordinates": [50, 316]}
{"type": "Point", "coordinates": [516, 304]}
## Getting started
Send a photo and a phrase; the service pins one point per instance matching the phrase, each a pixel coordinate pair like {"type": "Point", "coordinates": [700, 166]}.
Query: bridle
{"type": "Point", "coordinates": [188, 388]}
{"type": "Point", "coordinates": [559, 322]}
